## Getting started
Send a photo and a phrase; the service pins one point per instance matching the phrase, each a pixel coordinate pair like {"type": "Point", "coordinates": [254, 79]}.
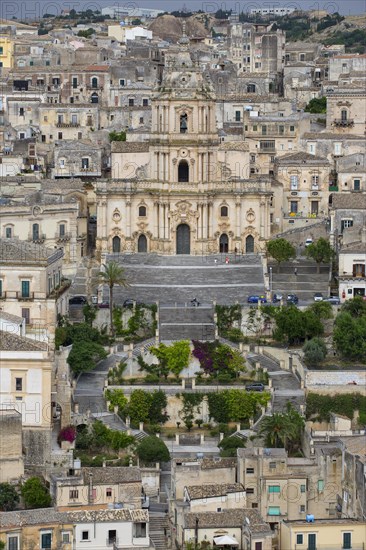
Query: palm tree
{"type": "Point", "coordinates": [112, 275]}
{"type": "Point", "coordinates": [277, 430]}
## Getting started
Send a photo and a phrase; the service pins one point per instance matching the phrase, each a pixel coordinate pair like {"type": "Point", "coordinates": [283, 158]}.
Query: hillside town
{"type": "Point", "coordinates": [183, 279]}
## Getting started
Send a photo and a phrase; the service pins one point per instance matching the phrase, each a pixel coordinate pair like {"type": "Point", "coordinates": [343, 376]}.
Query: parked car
{"type": "Point", "coordinates": [277, 298]}
{"type": "Point", "coordinates": [308, 242]}
{"type": "Point", "coordinates": [104, 304]}
{"type": "Point", "coordinates": [256, 386]}
{"type": "Point", "coordinates": [292, 299]}
{"type": "Point", "coordinates": [318, 297]}
{"type": "Point", "coordinates": [78, 300]}
{"type": "Point", "coordinates": [255, 298]}
{"type": "Point", "coordinates": [334, 300]}
{"type": "Point", "coordinates": [130, 303]}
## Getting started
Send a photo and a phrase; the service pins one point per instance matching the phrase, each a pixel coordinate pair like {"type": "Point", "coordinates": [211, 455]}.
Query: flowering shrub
{"type": "Point", "coordinates": [218, 359]}
{"type": "Point", "coordinates": [67, 434]}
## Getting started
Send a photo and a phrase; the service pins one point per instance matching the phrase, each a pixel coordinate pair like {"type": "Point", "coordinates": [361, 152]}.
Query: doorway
{"type": "Point", "coordinates": [249, 244]}
{"type": "Point", "coordinates": [116, 245]}
{"type": "Point", "coordinates": [142, 244]}
{"type": "Point", "coordinates": [224, 243]}
{"type": "Point", "coordinates": [183, 239]}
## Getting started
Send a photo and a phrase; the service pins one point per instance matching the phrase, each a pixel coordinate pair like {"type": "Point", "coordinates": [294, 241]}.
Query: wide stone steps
{"type": "Point", "coordinates": [181, 278]}
{"type": "Point", "coordinates": [191, 323]}
{"type": "Point", "coordinates": [158, 528]}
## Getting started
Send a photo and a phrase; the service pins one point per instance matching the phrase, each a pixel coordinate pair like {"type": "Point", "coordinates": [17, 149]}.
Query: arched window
{"type": "Point", "coordinates": [94, 82]}
{"type": "Point", "coordinates": [344, 114]}
{"type": "Point", "coordinates": [116, 244]}
{"type": "Point", "coordinates": [35, 231]}
{"type": "Point", "coordinates": [142, 211]}
{"type": "Point", "coordinates": [183, 123]}
{"type": "Point", "coordinates": [224, 211]}
{"type": "Point", "coordinates": [183, 171]}
{"type": "Point", "coordinates": [94, 98]}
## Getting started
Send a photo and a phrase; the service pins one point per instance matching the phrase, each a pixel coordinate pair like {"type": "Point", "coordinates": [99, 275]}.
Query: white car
{"type": "Point", "coordinates": [318, 297]}
{"type": "Point", "coordinates": [308, 242]}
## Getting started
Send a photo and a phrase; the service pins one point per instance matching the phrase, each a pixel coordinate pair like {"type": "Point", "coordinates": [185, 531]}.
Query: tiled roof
{"type": "Point", "coordinates": [15, 251]}
{"type": "Point", "coordinates": [112, 475]}
{"type": "Point", "coordinates": [330, 135]}
{"type": "Point", "coordinates": [129, 147]}
{"type": "Point", "coordinates": [234, 146]}
{"type": "Point", "coordinates": [51, 516]}
{"type": "Point", "coordinates": [207, 491]}
{"type": "Point", "coordinates": [10, 317]}
{"type": "Point", "coordinates": [302, 157]}
{"type": "Point", "coordinates": [211, 463]}
{"type": "Point", "coordinates": [228, 518]}
{"type": "Point", "coordinates": [349, 201]}
{"type": "Point", "coordinates": [13, 342]}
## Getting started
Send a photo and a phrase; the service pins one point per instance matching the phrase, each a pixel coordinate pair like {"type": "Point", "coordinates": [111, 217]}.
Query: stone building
{"type": "Point", "coordinates": [305, 181]}
{"type": "Point", "coordinates": [49, 529]}
{"type": "Point", "coordinates": [241, 529]}
{"type": "Point", "coordinates": [182, 191]}
{"type": "Point", "coordinates": [11, 453]}
{"type": "Point", "coordinates": [351, 172]}
{"type": "Point", "coordinates": [352, 500]}
{"type": "Point", "coordinates": [322, 533]}
{"type": "Point", "coordinates": [283, 487]}
{"type": "Point", "coordinates": [25, 373]}
{"type": "Point", "coordinates": [98, 487]}
{"type": "Point", "coordinates": [346, 108]}
{"type": "Point", "coordinates": [32, 284]}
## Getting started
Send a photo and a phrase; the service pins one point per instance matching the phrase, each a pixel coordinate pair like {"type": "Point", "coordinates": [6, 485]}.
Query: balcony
{"type": "Point", "coordinates": [67, 125]}
{"type": "Point", "coordinates": [343, 123]}
{"type": "Point", "coordinates": [25, 298]}
{"type": "Point", "coordinates": [333, 188]}
{"type": "Point", "coordinates": [62, 238]}
{"type": "Point", "coordinates": [59, 290]}
{"type": "Point", "coordinates": [113, 541]}
{"type": "Point", "coordinates": [37, 239]}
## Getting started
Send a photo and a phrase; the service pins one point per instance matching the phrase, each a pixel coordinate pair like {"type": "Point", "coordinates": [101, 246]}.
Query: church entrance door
{"type": "Point", "coordinates": [183, 239]}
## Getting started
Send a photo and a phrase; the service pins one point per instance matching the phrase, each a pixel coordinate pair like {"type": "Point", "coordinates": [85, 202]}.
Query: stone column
{"type": "Point", "coordinates": [161, 221]}
{"type": "Point", "coordinates": [156, 219]}
{"type": "Point", "coordinates": [205, 221]}
{"type": "Point", "coordinates": [237, 218]}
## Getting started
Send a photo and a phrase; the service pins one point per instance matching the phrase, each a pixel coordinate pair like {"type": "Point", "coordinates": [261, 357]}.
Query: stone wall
{"type": "Point", "coordinates": [37, 447]}
{"type": "Point", "coordinates": [335, 378]}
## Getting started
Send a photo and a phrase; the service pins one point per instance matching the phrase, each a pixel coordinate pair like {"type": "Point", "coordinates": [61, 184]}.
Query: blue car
{"type": "Point", "coordinates": [255, 299]}
{"type": "Point", "coordinates": [292, 299]}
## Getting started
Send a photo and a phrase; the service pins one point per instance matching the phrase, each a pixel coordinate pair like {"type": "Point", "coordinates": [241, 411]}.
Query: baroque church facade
{"type": "Point", "coordinates": [183, 191]}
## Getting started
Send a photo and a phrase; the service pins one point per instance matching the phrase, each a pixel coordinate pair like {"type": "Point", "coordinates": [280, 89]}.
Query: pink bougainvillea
{"type": "Point", "coordinates": [67, 434]}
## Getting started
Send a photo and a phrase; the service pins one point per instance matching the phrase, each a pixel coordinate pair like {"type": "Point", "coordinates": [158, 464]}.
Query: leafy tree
{"type": "Point", "coordinates": [139, 406]}
{"type": "Point", "coordinates": [117, 136]}
{"type": "Point", "coordinates": [84, 356]}
{"type": "Point", "coordinates": [159, 402]}
{"type": "Point", "coordinates": [320, 251]}
{"type": "Point", "coordinates": [87, 33]}
{"type": "Point", "coordinates": [281, 251]}
{"type": "Point", "coordinates": [276, 430]}
{"type": "Point", "coordinates": [349, 336]}
{"type": "Point", "coordinates": [153, 449]}
{"type": "Point", "coordinates": [218, 407]}
{"type": "Point", "coordinates": [173, 358]}
{"type": "Point", "coordinates": [317, 105]}
{"type": "Point", "coordinates": [322, 309]}
{"type": "Point", "coordinates": [191, 407]}
{"type": "Point", "coordinates": [295, 326]}
{"type": "Point", "coordinates": [315, 351]}
{"type": "Point", "coordinates": [355, 307]}
{"type": "Point", "coordinates": [9, 497]}
{"type": "Point", "coordinates": [230, 444]}
{"type": "Point", "coordinates": [117, 398]}
{"type": "Point", "coordinates": [113, 275]}
{"type": "Point", "coordinates": [35, 493]}
{"type": "Point", "coordinates": [90, 314]}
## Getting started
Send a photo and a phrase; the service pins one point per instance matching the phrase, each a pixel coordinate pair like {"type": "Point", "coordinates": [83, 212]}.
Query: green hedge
{"type": "Point", "coordinates": [319, 407]}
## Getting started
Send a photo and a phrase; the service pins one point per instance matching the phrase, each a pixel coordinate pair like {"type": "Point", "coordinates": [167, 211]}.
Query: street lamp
{"type": "Point", "coordinates": [270, 280]}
